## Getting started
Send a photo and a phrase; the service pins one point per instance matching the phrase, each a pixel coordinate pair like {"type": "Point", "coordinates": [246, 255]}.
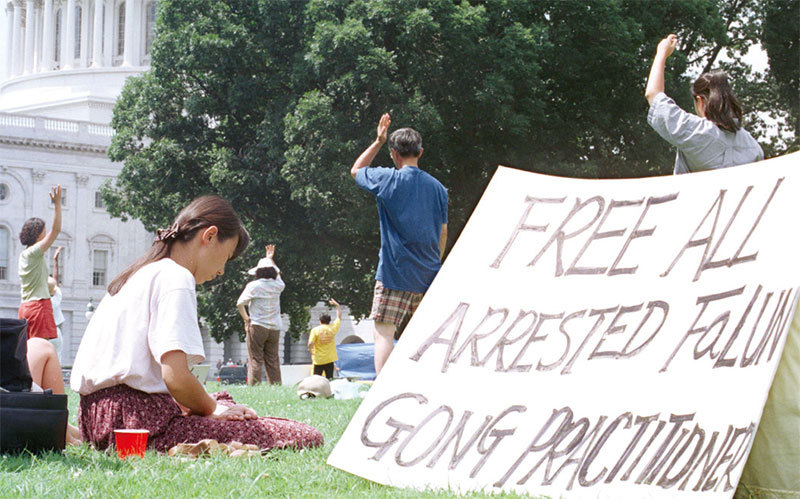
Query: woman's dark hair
{"type": "Point", "coordinates": [721, 105]}
{"type": "Point", "coordinates": [325, 319]}
{"type": "Point", "coordinates": [31, 230]}
{"type": "Point", "coordinates": [266, 273]}
{"type": "Point", "coordinates": [201, 213]}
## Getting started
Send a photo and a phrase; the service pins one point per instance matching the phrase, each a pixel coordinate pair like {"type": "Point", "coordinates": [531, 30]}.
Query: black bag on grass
{"type": "Point", "coordinates": [36, 421]}
{"type": "Point", "coordinates": [33, 421]}
{"type": "Point", "coordinates": [14, 373]}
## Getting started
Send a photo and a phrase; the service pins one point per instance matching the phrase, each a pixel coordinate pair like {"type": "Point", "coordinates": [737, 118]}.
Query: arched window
{"type": "Point", "coordinates": [58, 36]}
{"type": "Point", "coordinates": [78, 15]}
{"type": "Point", "coordinates": [149, 26]}
{"type": "Point", "coordinates": [121, 29]}
{"type": "Point", "coordinates": [5, 250]}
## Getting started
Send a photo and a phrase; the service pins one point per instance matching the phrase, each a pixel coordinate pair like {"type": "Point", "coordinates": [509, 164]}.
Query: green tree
{"type": "Point", "coordinates": [780, 36]}
{"type": "Point", "coordinates": [268, 103]}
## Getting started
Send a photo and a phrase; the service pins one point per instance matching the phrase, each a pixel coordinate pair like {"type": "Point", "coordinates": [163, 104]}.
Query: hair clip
{"type": "Point", "coordinates": [165, 235]}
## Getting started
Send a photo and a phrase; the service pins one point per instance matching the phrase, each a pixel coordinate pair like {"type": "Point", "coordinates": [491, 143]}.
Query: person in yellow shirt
{"type": "Point", "coordinates": [322, 344]}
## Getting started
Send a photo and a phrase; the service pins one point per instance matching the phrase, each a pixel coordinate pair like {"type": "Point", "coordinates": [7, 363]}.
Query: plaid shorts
{"type": "Point", "coordinates": [392, 306]}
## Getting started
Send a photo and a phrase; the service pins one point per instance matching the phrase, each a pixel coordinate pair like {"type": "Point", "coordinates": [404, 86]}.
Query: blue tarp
{"type": "Point", "coordinates": [356, 360]}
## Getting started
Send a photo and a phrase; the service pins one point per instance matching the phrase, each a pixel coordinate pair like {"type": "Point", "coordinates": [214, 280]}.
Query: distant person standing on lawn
{"type": "Point", "coordinates": [55, 299]}
{"type": "Point", "coordinates": [36, 306]}
{"type": "Point", "coordinates": [132, 369]}
{"type": "Point", "coordinates": [322, 342]}
{"type": "Point", "coordinates": [263, 323]}
{"type": "Point", "coordinates": [412, 208]}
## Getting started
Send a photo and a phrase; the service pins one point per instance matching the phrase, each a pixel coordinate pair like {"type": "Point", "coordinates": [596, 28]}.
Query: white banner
{"type": "Point", "coordinates": [593, 338]}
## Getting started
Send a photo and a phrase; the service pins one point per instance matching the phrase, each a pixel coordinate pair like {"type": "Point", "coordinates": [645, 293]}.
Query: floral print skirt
{"type": "Point", "coordinates": [122, 407]}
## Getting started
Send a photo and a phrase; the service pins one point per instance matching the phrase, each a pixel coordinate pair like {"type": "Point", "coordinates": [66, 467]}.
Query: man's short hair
{"type": "Point", "coordinates": [406, 141]}
{"type": "Point", "coordinates": [31, 230]}
{"type": "Point", "coordinates": [325, 319]}
{"type": "Point", "coordinates": [266, 273]}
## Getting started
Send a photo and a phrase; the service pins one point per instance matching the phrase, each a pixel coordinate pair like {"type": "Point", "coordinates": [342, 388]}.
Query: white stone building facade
{"type": "Point", "coordinates": [63, 65]}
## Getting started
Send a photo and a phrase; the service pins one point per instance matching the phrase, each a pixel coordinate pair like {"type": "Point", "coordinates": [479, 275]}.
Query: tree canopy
{"type": "Point", "coordinates": [269, 102]}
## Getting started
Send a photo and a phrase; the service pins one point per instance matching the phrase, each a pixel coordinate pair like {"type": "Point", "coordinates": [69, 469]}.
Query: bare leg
{"type": "Point", "coordinates": [46, 372]}
{"type": "Point", "coordinates": [384, 343]}
{"type": "Point", "coordinates": [44, 366]}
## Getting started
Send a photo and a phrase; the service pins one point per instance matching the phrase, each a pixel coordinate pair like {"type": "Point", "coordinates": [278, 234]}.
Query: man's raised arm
{"type": "Point", "coordinates": [370, 152]}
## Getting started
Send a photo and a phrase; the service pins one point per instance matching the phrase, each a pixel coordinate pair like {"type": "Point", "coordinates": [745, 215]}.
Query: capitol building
{"type": "Point", "coordinates": [62, 66]}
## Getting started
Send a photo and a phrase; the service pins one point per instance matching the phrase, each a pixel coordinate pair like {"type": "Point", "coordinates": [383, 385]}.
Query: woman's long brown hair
{"type": "Point", "coordinates": [722, 106]}
{"type": "Point", "coordinates": [201, 213]}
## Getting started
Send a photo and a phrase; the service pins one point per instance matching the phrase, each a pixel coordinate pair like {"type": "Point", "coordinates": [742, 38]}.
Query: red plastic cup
{"type": "Point", "coordinates": [130, 442]}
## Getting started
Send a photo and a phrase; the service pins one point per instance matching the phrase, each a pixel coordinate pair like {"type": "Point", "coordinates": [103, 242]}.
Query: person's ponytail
{"type": "Point", "coordinates": [721, 105]}
{"type": "Point", "coordinates": [203, 212]}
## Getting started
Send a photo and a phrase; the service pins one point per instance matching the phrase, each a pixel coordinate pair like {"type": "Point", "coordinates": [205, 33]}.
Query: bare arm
{"type": "Point", "coordinates": [55, 227]}
{"type": "Point", "coordinates": [190, 394]}
{"type": "Point", "coordinates": [55, 263]}
{"type": "Point", "coordinates": [243, 312]}
{"type": "Point", "coordinates": [442, 241]}
{"type": "Point", "coordinates": [655, 82]}
{"type": "Point", "coordinates": [338, 308]}
{"type": "Point", "coordinates": [370, 152]}
{"type": "Point", "coordinates": [183, 386]}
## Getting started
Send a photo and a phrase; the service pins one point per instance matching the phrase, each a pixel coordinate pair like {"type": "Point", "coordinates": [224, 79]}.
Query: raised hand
{"type": "Point", "coordinates": [383, 127]}
{"type": "Point", "coordinates": [667, 45]}
{"type": "Point", "coordinates": [55, 195]}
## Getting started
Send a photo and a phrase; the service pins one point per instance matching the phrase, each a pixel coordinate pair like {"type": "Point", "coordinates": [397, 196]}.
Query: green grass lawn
{"type": "Point", "coordinates": [82, 471]}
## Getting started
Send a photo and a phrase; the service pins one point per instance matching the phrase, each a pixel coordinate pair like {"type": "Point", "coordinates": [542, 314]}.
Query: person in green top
{"type": "Point", "coordinates": [36, 306]}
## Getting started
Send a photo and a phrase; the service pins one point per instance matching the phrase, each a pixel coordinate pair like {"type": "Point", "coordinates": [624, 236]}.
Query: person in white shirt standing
{"type": "Point", "coordinates": [56, 298]}
{"type": "Point", "coordinates": [260, 307]}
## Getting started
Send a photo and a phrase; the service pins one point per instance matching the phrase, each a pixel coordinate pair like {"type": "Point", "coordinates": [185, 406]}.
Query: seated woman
{"type": "Point", "coordinates": [46, 373]}
{"type": "Point", "coordinates": [132, 367]}
{"type": "Point", "coordinates": [714, 137]}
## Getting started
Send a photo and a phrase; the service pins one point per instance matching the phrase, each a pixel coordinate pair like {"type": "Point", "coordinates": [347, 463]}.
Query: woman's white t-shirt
{"type": "Point", "coordinates": [155, 312]}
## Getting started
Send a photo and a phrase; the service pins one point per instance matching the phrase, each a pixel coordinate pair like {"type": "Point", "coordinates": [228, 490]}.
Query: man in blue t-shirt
{"type": "Point", "coordinates": [412, 208]}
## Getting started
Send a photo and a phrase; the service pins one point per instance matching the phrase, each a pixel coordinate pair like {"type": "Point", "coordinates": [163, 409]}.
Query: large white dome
{"type": "Point", "coordinates": [68, 59]}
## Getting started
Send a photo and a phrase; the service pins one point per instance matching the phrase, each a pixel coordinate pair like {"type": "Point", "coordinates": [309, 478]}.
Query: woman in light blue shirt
{"type": "Point", "coordinates": [714, 137]}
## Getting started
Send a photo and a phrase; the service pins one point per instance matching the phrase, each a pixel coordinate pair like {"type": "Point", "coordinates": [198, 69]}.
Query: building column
{"type": "Point", "coordinates": [97, 35]}
{"type": "Point", "coordinates": [84, 60]}
{"type": "Point", "coordinates": [130, 26]}
{"type": "Point", "coordinates": [108, 35]}
{"type": "Point", "coordinates": [17, 43]}
{"type": "Point", "coordinates": [30, 37]}
{"type": "Point", "coordinates": [62, 35]}
{"type": "Point", "coordinates": [8, 70]}
{"type": "Point", "coordinates": [48, 42]}
{"type": "Point", "coordinates": [69, 47]}
{"type": "Point", "coordinates": [37, 35]}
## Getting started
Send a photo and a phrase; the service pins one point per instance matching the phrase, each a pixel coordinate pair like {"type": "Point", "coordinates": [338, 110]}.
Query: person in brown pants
{"type": "Point", "coordinates": [259, 305]}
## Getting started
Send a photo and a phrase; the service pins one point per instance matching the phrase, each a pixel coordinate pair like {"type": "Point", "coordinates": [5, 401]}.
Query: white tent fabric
{"type": "Point", "coordinates": [773, 468]}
